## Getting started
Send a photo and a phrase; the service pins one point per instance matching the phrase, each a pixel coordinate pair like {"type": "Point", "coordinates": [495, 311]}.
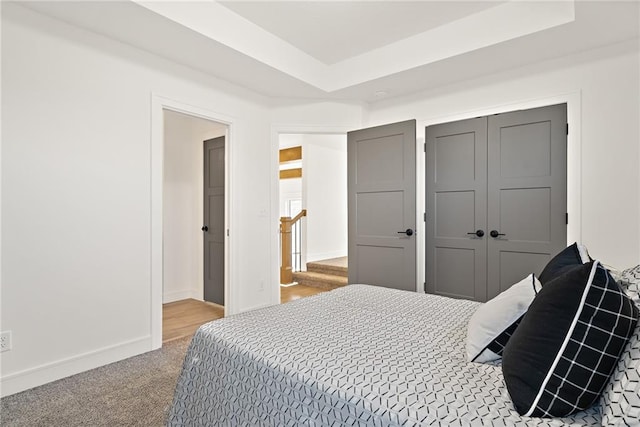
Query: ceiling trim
{"type": "Point", "coordinates": [492, 26]}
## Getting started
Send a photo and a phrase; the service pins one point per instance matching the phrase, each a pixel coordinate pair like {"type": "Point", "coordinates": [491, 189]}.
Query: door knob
{"type": "Point", "coordinates": [495, 233]}
{"type": "Point", "coordinates": [408, 232]}
{"type": "Point", "coordinates": [205, 228]}
{"type": "Point", "coordinates": [478, 233]}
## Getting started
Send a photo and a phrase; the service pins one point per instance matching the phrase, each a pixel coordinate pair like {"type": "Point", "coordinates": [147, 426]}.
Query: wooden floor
{"type": "Point", "coordinates": [182, 318]}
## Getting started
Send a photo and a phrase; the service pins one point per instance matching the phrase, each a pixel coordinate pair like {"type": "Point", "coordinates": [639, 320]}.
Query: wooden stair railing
{"type": "Point", "coordinates": [287, 224]}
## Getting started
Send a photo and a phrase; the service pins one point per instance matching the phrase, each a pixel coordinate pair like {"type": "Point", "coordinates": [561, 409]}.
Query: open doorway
{"type": "Point", "coordinates": [319, 189]}
{"type": "Point", "coordinates": [187, 255]}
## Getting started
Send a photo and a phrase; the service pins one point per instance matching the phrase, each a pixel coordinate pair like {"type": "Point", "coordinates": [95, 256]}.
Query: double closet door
{"type": "Point", "coordinates": [496, 198]}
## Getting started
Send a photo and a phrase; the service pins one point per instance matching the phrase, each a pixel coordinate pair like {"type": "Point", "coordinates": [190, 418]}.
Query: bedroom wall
{"type": "Point", "coordinates": [307, 117]}
{"type": "Point", "coordinates": [323, 190]}
{"type": "Point", "coordinates": [606, 84]}
{"type": "Point", "coordinates": [183, 204]}
{"type": "Point", "coordinates": [290, 188]}
{"type": "Point", "coordinates": [324, 178]}
{"type": "Point", "coordinates": [76, 132]}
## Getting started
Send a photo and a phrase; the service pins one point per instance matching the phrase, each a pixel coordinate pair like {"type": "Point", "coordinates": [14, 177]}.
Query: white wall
{"type": "Point", "coordinates": [304, 117]}
{"type": "Point", "coordinates": [323, 190]}
{"type": "Point", "coordinates": [324, 195]}
{"type": "Point", "coordinates": [76, 194]}
{"type": "Point", "coordinates": [183, 204]}
{"type": "Point", "coordinates": [604, 115]}
{"type": "Point", "coordinates": [290, 188]}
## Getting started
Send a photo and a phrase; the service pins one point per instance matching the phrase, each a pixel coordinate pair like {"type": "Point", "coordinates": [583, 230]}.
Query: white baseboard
{"type": "Point", "coordinates": [43, 374]}
{"type": "Point", "coordinates": [180, 295]}
{"type": "Point", "coordinates": [256, 307]}
{"type": "Point", "coordinates": [325, 255]}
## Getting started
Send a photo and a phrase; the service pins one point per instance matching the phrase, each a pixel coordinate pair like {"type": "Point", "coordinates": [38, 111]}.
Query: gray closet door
{"type": "Point", "coordinates": [496, 200]}
{"type": "Point", "coordinates": [214, 220]}
{"type": "Point", "coordinates": [456, 179]}
{"type": "Point", "coordinates": [382, 205]}
{"type": "Point", "coordinates": [527, 197]}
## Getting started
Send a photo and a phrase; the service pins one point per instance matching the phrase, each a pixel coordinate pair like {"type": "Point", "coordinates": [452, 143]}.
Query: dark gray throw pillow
{"type": "Point", "coordinates": [562, 354]}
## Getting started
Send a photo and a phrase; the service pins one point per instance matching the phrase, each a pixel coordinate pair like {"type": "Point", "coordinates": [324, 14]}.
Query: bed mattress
{"type": "Point", "coordinates": [356, 356]}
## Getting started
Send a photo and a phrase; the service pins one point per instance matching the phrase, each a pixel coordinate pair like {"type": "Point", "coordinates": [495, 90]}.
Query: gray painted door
{"type": "Point", "coordinates": [213, 228]}
{"type": "Point", "coordinates": [504, 177]}
{"type": "Point", "coordinates": [456, 179]}
{"type": "Point", "coordinates": [382, 205]}
{"type": "Point", "coordinates": [527, 197]}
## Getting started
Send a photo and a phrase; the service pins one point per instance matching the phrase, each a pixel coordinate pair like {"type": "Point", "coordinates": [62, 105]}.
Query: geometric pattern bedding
{"type": "Point", "coordinates": [620, 400]}
{"type": "Point", "coordinates": [356, 356]}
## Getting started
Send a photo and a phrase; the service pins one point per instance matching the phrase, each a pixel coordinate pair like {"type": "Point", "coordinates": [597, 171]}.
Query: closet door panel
{"type": "Point", "coordinates": [456, 194]}
{"type": "Point", "coordinates": [526, 197]}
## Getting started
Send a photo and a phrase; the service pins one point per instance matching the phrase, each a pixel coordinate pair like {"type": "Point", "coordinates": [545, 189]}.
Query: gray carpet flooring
{"type": "Point", "coordinates": [133, 392]}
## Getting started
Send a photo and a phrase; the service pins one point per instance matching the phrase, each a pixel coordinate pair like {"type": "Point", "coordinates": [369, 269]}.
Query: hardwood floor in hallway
{"type": "Point", "coordinates": [183, 318]}
{"type": "Point", "coordinates": [292, 293]}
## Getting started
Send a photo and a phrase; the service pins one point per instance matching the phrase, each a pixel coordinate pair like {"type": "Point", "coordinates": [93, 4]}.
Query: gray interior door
{"type": "Point", "coordinates": [496, 200]}
{"type": "Point", "coordinates": [456, 211]}
{"type": "Point", "coordinates": [382, 205]}
{"type": "Point", "coordinates": [527, 197]}
{"type": "Point", "coordinates": [214, 176]}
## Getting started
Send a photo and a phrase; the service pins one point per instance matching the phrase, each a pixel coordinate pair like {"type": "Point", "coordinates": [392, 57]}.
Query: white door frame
{"type": "Point", "coordinates": [574, 156]}
{"type": "Point", "coordinates": [276, 131]}
{"type": "Point", "coordinates": [158, 105]}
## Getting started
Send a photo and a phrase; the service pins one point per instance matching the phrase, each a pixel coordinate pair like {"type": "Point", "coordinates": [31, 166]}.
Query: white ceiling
{"type": "Point", "coordinates": [332, 31]}
{"type": "Point", "coordinates": [361, 51]}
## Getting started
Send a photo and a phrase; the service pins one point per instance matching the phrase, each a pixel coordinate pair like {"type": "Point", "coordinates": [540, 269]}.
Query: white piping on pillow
{"type": "Point", "coordinates": [566, 339]}
{"type": "Point", "coordinates": [584, 255]}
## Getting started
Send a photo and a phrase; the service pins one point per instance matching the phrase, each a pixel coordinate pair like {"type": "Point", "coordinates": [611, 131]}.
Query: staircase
{"type": "Point", "coordinates": [326, 274]}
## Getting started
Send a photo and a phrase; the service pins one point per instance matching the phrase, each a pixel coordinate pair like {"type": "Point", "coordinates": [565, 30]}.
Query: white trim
{"type": "Point", "coordinates": [274, 172]}
{"type": "Point", "coordinates": [42, 374]}
{"type": "Point", "coordinates": [158, 104]}
{"type": "Point", "coordinates": [180, 295]}
{"type": "Point", "coordinates": [318, 256]}
{"type": "Point", "coordinates": [587, 288]}
{"type": "Point", "coordinates": [573, 99]}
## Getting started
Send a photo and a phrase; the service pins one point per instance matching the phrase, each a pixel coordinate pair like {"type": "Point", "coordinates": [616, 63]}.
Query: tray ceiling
{"type": "Point", "coordinates": [353, 50]}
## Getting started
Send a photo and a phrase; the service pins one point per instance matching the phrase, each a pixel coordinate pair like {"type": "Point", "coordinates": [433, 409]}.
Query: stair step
{"type": "Point", "coordinates": [336, 267]}
{"type": "Point", "coordinates": [319, 280]}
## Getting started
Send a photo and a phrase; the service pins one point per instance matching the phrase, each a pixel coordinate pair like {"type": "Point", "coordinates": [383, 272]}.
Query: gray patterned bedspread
{"type": "Point", "coordinates": [356, 356]}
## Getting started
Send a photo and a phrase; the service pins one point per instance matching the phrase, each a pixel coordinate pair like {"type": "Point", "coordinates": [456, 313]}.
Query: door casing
{"type": "Point", "coordinates": [488, 179]}
{"type": "Point", "coordinates": [158, 104]}
{"type": "Point", "coordinates": [276, 131]}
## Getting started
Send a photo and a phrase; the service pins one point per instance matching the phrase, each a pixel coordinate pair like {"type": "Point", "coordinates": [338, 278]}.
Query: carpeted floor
{"type": "Point", "coordinates": [134, 392]}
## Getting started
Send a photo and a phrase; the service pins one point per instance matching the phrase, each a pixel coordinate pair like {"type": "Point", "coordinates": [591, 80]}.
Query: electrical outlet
{"type": "Point", "coordinates": [5, 341]}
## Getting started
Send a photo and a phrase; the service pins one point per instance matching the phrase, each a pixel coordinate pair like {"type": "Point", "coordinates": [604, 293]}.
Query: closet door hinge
{"type": "Point", "coordinates": [425, 287]}
{"type": "Point", "coordinates": [424, 217]}
{"type": "Point", "coordinates": [567, 128]}
{"type": "Point", "coordinates": [425, 147]}
{"type": "Point", "coordinates": [566, 218]}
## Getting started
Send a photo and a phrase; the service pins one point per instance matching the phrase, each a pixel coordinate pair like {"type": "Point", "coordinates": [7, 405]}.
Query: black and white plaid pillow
{"type": "Point", "coordinates": [566, 347]}
{"type": "Point", "coordinates": [571, 256]}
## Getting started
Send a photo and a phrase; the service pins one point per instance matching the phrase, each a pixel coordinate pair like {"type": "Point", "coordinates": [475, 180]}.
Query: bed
{"type": "Point", "coordinates": [356, 356]}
